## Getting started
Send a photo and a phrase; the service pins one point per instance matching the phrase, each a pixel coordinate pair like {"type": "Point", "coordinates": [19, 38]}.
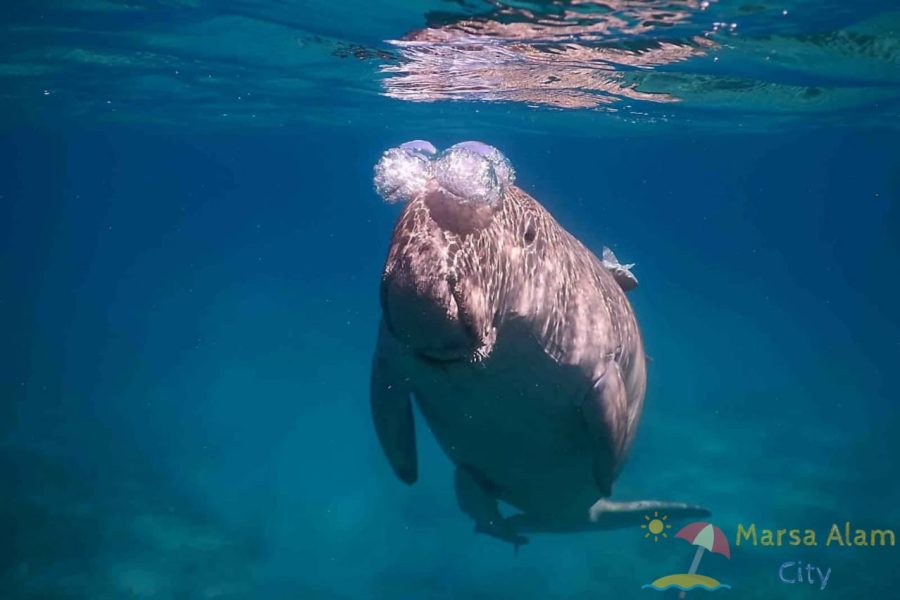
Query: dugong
{"type": "Point", "coordinates": [516, 343]}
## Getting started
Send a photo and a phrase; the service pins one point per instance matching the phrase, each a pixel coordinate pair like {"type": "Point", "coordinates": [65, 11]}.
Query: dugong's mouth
{"type": "Point", "coordinates": [424, 316]}
{"type": "Point", "coordinates": [441, 357]}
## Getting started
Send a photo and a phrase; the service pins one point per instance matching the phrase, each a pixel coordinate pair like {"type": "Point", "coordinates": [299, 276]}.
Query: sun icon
{"type": "Point", "coordinates": [656, 526]}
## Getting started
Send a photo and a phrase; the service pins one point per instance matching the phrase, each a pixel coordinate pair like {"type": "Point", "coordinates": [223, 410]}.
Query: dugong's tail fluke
{"type": "Point", "coordinates": [605, 514]}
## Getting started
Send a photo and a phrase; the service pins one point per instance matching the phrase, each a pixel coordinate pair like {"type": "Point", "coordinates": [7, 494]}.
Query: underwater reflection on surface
{"type": "Point", "coordinates": [627, 65]}
{"type": "Point", "coordinates": [560, 54]}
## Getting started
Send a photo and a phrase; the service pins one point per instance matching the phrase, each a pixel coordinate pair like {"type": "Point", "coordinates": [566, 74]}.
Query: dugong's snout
{"type": "Point", "coordinates": [453, 196]}
{"type": "Point", "coordinates": [423, 314]}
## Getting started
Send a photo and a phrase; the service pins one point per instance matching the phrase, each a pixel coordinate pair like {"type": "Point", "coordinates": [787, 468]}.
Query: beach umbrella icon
{"type": "Point", "coordinates": [705, 536]}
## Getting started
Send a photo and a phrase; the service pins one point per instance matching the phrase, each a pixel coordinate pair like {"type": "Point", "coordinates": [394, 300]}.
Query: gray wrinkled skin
{"type": "Point", "coordinates": [524, 356]}
{"type": "Point", "coordinates": [478, 264]}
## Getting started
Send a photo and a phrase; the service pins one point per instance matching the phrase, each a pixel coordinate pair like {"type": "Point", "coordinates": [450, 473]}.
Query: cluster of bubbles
{"type": "Point", "coordinates": [471, 171]}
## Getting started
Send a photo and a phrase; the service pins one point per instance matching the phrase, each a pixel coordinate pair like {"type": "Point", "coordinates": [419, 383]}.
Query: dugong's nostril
{"type": "Point", "coordinates": [474, 172]}
{"type": "Point", "coordinates": [403, 173]}
{"type": "Point", "coordinates": [422, 146]}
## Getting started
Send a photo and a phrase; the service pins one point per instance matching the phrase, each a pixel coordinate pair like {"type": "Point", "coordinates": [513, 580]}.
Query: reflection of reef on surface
{"type": "Point", "coordinates": [571, 55]}
{"type": "Point", "coordinates": [732, 66]}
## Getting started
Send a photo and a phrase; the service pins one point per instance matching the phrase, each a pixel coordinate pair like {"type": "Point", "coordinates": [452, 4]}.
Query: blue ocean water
{"type": "Point", "coordinates": [191, 247]}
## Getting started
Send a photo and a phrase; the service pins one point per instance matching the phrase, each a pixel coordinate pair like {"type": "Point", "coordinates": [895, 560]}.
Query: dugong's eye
{"type": "Point", "coordinates": [530, 234]}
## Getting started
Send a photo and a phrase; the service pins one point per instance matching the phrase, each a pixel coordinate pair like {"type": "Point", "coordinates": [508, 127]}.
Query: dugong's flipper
{"type": "Point", "coordinates": [394, 424]}
{"type": "Point", "coordinates": [622, 273]}
{"type": "Point", "coordinates": [605, 514]}
{"type": "Point", "coordinates": [603, 411]}
{"type": "Point", "coordinates": [475, 500]}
